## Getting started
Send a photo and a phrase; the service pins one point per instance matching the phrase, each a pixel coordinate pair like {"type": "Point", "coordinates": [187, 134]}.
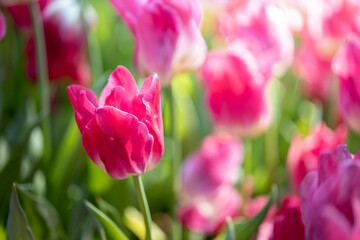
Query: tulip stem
{"type": "Point", "coordinates": [176, 231]}
{"type": "Point", "coordinates": [143, 205]}
{"type": "Point", "coordinates": [42, 74]}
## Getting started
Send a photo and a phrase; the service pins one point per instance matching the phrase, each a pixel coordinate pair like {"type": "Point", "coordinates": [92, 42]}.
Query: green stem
{"type": "Point", "coordinates": [143, 205]}
{"type": "Point", "coordinates": [176, 230]}
{"type": "Point", "coordinates": [42, 74]}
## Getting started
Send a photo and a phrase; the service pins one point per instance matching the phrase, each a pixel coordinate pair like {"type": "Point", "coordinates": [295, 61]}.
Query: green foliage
{"type": "Point", "coordinates": [104, 224]}
{"type": "Point", "coordinates": [17, 223]}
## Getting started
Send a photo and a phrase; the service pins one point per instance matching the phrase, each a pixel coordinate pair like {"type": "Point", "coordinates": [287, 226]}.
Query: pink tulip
{"type": "Point", "coordinates": [2, 26]}
{"type": "Point", "coordinates": [235, 92]}
{"type": "Point", "coordinates": [261, 27]}
{"type": "Point", "coordinates": [315, 72]}
{"type": "Point", "coordinates": [287, 221]}
{"type": "Point", "coordinates": [207, 214]}
{"type": "Point", "coordinates": [216, 163]}
{"type": "Point", "coordinates": [167, 35]}
{"type": "Point", "coordinates": [123, 132]}
{"type": "Point", "coordinates": [330, 200]}
{"type": "Point", "coordinates": [346, 66]}
{"type": "Point", "coordinates": [20, 13]}
{"type": "Point", "coordinates": [303, 155]}
{"type": "Point", "coordinates": [65, 42]}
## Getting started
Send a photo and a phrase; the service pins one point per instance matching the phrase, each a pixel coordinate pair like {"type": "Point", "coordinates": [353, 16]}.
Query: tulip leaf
{"type": "Point", "coordinates": [109, 226]}
{"type": "Point", "coordinates": [246, 228]}
{"type": "Point", "coordinates": [17, 223]}
{"type": "Point", "coordinates": [44, 213]}
{"type": "Point", "coordinates": [230, 229]}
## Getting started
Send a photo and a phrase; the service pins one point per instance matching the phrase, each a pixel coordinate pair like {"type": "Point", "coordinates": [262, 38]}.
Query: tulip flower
{"type": "Point", "coordinates": [65, 42]}
{"type": "Point", "coordinates": [287, 221]}
{"type": "Point", "coordinates": [330, 200]}
{"type": "Point", "coordinates": [20, 12]}
{"type": "Point", "coordinates": [167, 35]}
{"type": "Point", "coordinates": [303, 155]}
{"type": "Point", "coordinates": [260, 26]}
{"type": "Point", "coordinates": [207, 214]}
{"type": "Point", "coordinates": [122, 133]}
{"type": "Point", "coordinates": [235, 92]}
{"type": "Point", "coordinates": [346, 66]}
{"type": "Point", "coordinates": [315, 72]}
{"type": "Point", "coordinates": [2, 26]}
{"type": "Point", "coordinates": [216, 163]}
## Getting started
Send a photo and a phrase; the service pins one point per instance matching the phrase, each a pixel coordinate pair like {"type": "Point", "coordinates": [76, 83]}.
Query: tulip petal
{"type": "Point", "coordinates": [119, 77]}
{"type": "Point", "coordinates": [336, 225]}
{"type": "Point", "coordinates": [84, 102]}
{"type": "Point", "coordinates": [129, 10]}
{"type": "Point", "coordinates": [118, 99]}
{"type": "Point", "coordinates": [153, 118]}
{"type": "Point", "coordinates": [121, 141]}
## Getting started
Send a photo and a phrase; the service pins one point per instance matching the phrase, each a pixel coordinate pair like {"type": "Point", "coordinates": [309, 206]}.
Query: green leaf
{"type": "Point", "coordinates": [111, 229]}
{"type": "Point", "coordinates": [230, 229]}
{"type": "Point", "coordinates": [17, 224]}
{"type": "Point", "coordinates": [44, 214]}
{"type": "Point", "coordinates": [245, 229]}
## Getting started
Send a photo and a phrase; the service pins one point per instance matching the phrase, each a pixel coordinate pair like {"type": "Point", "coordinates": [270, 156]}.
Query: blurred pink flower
{"type": "Point", "coordinates": [216, 163]}
{"type": "Point", "coordinates": [2, 26]}
{"type": "Point", "coordinates": [65, 42]}
{"type": "Point", "coordinates": [330, 200]}
{"type": "Point", "coordinates": [331, 20]}
{"type": "Point", "coordinates": [315, 72]}
{"type": "Point", "coordinates": [208, 213]}
{"type": "Point", "coordinates": [167, 35]}
{"type": "Point", "coordinates": [287, 221]}
{"type": "Point", "coordinates": [20, 13]}
{"type": "Point", "coordinates": [303, 155]}
{"type": "Point", "coordinates": [262, 28]}
{"type": "Point", "coordinates": [123, 132]}
{"type": "Point", "coordinates": [346, 66]}
{"type": "Point", "coordinates": [235, 92]}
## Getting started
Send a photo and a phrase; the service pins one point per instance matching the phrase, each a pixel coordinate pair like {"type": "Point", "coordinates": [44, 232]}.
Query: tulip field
{"type": "Point", "coordinates": [180, 119]}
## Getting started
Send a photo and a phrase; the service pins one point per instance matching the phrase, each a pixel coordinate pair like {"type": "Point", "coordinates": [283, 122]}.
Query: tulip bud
{"type": "Point", "coordinates": [216, 163]}
{"type": "Point", "coordinates": [167, 35]}
{"type": "Point", "coordinates": [330, 197]}
{"type": "Point", "coordinates": [346, 65]}
{"type": "Point", "coordinates": [287, 221]}
{"type": "Point", "coordinates": [207, 214]}
{"type": "Point", "coordinates": [303, 155]}
{"type": "Point", "coordinates": [123, 132]}
{"type": "Point", "coordinates": [235, 92]}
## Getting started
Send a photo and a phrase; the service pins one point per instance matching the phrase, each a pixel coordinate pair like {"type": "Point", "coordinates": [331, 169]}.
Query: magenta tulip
{"type": "Point", "coordinates": [346, 66]}
{"type": "Point", "coordinates": [123, 132]}
{"type": "Point", "coordinates": [262, 28]}
{"type": "Point", "coordinates": [235, 92]}
{"type": "Point", "coordinates": [287, 221]}
{"type": "Point", "coordinates": [167, 35]}
{"type": "Point", "coordinates": [303, 155]}
{"type": "Point", "coordinates": [315, 72]}
{"type": "Point", "coordinates": [65, 42]}
{"type": "Point", "coordinates": [2, 26]}
{"type": "Point", "coordinates": [216, 163]}
{"type": "Point", "coordinates": [330, 197]}
{"type": "Point", "coordinates": [207, 214]}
